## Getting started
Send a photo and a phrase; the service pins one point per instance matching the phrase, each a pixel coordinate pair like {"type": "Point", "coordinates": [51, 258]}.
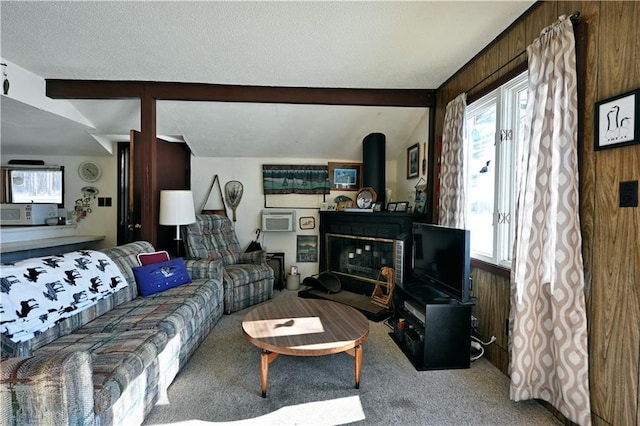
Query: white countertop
{"type": "Point", "coordinates": [48, 242]}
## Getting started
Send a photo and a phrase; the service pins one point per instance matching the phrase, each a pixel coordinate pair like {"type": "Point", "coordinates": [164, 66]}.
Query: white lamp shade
{"type": "Point", "coordinates": [176, 207]}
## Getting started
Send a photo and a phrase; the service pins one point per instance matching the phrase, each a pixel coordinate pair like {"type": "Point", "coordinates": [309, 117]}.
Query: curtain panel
{"type": "Point", "coordinates": [548, 336]}
{"type": "Point", "coordinates": [452, 179]}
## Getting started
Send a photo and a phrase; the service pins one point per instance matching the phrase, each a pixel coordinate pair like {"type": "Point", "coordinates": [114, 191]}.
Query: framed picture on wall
{"type": "Point", "coordinates": [421, 198]}
{"type": "Point", "coordinates": [328, 207]}
{"type": "Point", "coordinates": [307, 248]}
{"type": "Point", "coordinates": [413, 161]}
{"type": "Point", "coordinates": [307, 222]}
{"type": "Point", "coordinates": [345, 176]}
{"type": "Point", "coordinates": [402, 206]}
{"type": "Point", "coordinates": [617, 121]}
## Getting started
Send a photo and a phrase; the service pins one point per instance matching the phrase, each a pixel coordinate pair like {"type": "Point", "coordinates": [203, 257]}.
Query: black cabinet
{"type": "Point", "coordinates": [432, 329]}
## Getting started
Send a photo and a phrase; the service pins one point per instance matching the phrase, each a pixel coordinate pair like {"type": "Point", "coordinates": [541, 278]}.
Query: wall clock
{"type": "Point", "coordinates": [89, 171]}
{"type": "Point", "coordinates": [366, 197]}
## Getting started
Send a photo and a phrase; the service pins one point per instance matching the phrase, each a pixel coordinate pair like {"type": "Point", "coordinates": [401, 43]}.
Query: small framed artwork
{"type": "Point", "coordinates": [307, 222]}
{"type": "Point", "coordinates": [617, 121]}
{"type": "Point", "coordinates": [328, 207]}
{"type": "Point", "coordinates": [391, 207]}
{"type": "Point", "coordinates": [307, 248]}
{"type": "Point", "coordinates": [421, 199]}
{"type": "Point", "coordinates": [413, 159]}
{"type": "Point", "coordinates": [377, 206]}
{"type": "Point", "coordinates": [402, 206]}
{"type": "Point", "coordinates": [345, 176]}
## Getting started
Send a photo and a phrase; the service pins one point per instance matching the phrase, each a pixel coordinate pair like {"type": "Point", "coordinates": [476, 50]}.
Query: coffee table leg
{"type": "Point", "coordinates": [265, 358]}
{"type": "Point", "coordinates": [358, 363]}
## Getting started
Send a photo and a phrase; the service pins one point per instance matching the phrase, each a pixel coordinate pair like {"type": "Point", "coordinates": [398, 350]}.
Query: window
{"type": "Point", "coordinates": [36, 184]}
{"type": "Point", "coordinates": [493, 133]}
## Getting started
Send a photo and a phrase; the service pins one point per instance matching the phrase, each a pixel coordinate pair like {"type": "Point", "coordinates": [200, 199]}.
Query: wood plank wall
{"type": "Point", "coordinates": [611, 235]}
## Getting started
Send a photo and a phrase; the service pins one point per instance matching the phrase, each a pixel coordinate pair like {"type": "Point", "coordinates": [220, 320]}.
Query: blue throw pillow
{"type": "Point", "coordinates": [161, 276]}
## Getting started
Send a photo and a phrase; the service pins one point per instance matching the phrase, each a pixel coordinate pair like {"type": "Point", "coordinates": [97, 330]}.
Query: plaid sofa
{"type": "Point", "coordinates": [112, 362]}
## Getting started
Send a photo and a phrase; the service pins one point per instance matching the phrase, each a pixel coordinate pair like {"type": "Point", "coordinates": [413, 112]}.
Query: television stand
{"type": "Point", "coordinates": [437, 328]}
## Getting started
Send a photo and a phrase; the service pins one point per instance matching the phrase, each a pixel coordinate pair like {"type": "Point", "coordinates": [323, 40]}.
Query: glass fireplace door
{"type": "Point", "coordinates": [358, 257]}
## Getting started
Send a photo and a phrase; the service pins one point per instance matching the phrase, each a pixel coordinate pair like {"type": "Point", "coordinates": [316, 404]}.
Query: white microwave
{"type": "Point", "coordinates": [27, 213]}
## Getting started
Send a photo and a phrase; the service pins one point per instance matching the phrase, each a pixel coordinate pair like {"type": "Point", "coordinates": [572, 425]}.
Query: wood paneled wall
{"type": "Point", "coordinates": [611, 235]}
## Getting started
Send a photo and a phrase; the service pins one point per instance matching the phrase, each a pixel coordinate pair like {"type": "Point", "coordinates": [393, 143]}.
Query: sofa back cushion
{"type": "Point", "coordinates": [126, 257]}
{"type": "Point", "coordinates": [211, 237]}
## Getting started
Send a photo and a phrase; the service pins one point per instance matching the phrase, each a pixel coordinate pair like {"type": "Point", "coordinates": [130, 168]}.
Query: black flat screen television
{"type": "Point", "coordinates": [441, 259]}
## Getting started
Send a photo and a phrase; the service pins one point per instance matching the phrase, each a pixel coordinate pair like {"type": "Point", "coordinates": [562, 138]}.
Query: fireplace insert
{"type": "Point", "coordinates": [355, 246]}
{"type": "Point", "coordinates": [360, 257]}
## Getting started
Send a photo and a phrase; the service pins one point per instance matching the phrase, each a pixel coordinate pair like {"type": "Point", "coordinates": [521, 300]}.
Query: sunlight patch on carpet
{"type": "Point", "coordinates": [326, 413]}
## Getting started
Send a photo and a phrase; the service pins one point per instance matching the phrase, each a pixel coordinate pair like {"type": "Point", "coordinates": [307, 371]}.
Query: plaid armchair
{"type": "Point", "coordinates": [247, 277]}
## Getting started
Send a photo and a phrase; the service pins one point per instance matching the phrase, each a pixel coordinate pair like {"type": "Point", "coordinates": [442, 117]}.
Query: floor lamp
{"type": "Point", "coordinates": [176, 208]}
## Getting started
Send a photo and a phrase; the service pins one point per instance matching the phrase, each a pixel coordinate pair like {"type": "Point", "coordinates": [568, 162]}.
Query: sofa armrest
{"type": "Point", "coordinates": [47, 389]}
{"type": "Point", "coordinates": [205, 268]}
{"type": "Point", "coordinates": [11, 349]}
{"type": "Point", "coordinates": [257, 257]}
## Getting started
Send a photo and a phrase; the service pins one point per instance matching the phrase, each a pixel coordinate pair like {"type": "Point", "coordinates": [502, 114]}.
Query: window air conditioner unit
{"type": "Point", "coordinates": [280, 220]}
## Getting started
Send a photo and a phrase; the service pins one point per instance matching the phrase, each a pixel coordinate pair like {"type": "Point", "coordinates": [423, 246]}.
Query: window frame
{"type": "Point", "coordinates": [43, 194]}
{"type": "Point", "coordinates": [505, 96]}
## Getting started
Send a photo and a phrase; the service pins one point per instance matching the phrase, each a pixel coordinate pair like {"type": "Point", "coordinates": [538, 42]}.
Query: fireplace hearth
{"type": "Point", "coordinates": [355, 246]}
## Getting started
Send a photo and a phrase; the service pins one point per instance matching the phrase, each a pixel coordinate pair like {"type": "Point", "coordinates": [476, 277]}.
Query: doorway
{"type": "Point", "coordinates": [174, 159]}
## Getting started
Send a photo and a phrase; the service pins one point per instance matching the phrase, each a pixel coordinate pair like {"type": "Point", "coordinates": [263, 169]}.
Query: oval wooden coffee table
{"type": "Point", "coordinates": [305, 327]}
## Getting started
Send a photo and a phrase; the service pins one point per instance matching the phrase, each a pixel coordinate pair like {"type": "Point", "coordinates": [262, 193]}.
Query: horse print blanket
{"type": "Point", "coordinates": [37, 293]}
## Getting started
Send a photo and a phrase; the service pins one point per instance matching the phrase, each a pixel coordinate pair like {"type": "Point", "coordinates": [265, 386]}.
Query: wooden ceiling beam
{"type": "Point", "coordinates": [93, 89]}
{"type": "Point", "coordinates": [103, 89]}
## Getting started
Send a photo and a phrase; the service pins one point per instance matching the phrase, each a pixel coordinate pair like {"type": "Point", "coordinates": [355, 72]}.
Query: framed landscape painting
{"type": "Point", "coordinates": [345, 176]}
{"type": "Point", "coordinates": [307, 248]}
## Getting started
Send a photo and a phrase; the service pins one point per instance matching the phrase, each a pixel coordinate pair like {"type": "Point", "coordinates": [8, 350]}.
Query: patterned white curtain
{"type": "Point", "coordinates": [451, 205]}
{"type": "Point", "coordinates": [548, 339]}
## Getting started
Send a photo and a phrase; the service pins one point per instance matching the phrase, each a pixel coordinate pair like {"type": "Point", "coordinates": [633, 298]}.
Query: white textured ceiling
{"type": "Point", "coordinates": [413, 45]}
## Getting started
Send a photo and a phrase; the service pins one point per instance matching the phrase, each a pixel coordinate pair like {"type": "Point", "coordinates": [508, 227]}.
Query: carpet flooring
{"type": "Point", "coordinates": [221, 385]}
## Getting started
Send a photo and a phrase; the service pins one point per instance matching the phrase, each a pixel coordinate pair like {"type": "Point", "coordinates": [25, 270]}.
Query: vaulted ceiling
{"type": "Point", "coordinates": [324, 44]}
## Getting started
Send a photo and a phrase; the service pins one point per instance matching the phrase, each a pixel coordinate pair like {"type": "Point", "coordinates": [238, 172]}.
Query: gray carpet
{"type": "Point", "coordinates": [221, 384]}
